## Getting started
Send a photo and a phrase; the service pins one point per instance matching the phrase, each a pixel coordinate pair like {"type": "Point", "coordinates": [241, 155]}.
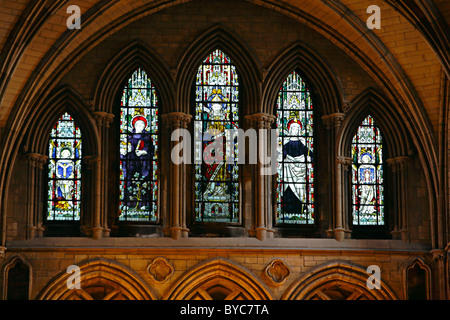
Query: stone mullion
{"type": "Point", "coordinates": [176, 225]}
{"type": "Point", "coordinates": [103, 120]}
{"type": "Point", "coordinates": [35, 186]}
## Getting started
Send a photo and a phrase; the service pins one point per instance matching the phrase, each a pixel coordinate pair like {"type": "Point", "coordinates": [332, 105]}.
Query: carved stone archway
{"type": "Point", "coordinates": [337, 281]}
{"type": "Point", "coordinates": [100, 279]}
{"type": "Point", "coordinates": [218, 279]}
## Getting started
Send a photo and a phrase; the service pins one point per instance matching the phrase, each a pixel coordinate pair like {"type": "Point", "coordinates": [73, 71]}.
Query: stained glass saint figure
{"type": "Point", "coordinates": [367, 175]}
{"type": "Point", "coordinates": [295, 192]}
{"type": "Point", "coordinates": [64, 171]}
{"type": "Point", "coordinates": [216, 179]}
{"type": "Point", "coordinates": [138, 150]}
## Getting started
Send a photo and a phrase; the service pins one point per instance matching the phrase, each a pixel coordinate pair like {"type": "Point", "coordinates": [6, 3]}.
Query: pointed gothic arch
{"type": "Point", "coordinates": [218, 278]}
{"type": "Point", "coordinates": [133, 56]}
{"type": "Point", "coordinates": [337, 280]}
{"type": "Point", "coordinates": [245, 61]}
{"type": "Point", "coordinates": [99, 279]}
{"type": "Point", "coordinates": [326, 89]}
{"type": "Point", "coordinates": [27, 276]}
{"type": "Point", "coordinates": [370, 101]}
{"type": "Point", "coordinates": [417, 279]}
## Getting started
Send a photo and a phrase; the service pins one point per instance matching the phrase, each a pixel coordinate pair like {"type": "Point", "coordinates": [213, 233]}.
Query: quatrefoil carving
{"type": "Point", "coordinates": [278, 271]}
{"type": "Point", "coordinates": [160, 269]}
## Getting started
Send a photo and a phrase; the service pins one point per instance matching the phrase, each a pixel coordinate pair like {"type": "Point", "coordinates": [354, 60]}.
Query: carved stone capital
{"type": "Point", "coordinates": [176, 120]}
{"type": "Point", "coordinates": [260, 120]}
{"type": "Point", "coordinates": [344, 161]}
{"type": "Point", "coordinates": [263, 74]}
{"type": "Point", "coordinates": [91, 160]}
{"type": "Point", "coordinates": [333, 120]}
{"type": "Point", "coordinates": [397, 163]}
{"type": "Point", "coordinates": [103, 119]}
{"type": "Point", "coordinates": [37, 160]}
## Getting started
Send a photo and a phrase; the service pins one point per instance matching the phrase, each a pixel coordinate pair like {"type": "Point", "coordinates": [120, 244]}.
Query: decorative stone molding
{"type": "Point", "coordinates": [160, 269]}
{"type": "Point", "coordinates": [346, 107]}
{"type": "Point", "coordinates": [438, 254]}
{"type": "Point", "coordinates": [278, 271]}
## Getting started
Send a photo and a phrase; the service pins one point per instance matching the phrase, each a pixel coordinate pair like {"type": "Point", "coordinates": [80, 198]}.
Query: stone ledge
{"type": "Point", "coordinates": [217, 243]}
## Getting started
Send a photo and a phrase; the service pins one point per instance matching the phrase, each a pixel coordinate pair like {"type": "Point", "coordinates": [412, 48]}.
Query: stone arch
{"type": "Point", "coordinates": [391, 124]}
{"type": "Point", "coordinates": [336, 280]}
{"type": "Point", "coordinates": [63, 99]}
{"type": "Point", "coordinates": [325, 86]}
{"type": "Point", "coordinates": [120, 68]}
{"type": "Point", "coordinates": [246, 64]}
{"type": "Point", "coordinates": [219, 279]}
{"type": "Point", "coordinates": [10, 264]}
{"type": "Point", "coordinates": [100, 279]}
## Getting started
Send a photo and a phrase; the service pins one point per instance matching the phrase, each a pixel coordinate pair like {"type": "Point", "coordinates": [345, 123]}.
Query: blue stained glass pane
{"type": "Point", "coordinates": [138, 150]}
{"type": "Point", "coordinates": [367, 175]}
{"type": "Point", "coordinates": [64, 171]}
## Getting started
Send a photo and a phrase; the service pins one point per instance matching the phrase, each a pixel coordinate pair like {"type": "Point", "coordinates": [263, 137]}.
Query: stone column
{"type": "Point", "coordinates": [176, 224]}
{"type": "Point", "coordinates": [261, 216]}
{"type": "Point", "coordinates": [93, 162]}
{"type": "Point", "coordinates": [341, 229]}
{"type": "Point", "coordinates": [35, 210]}
{"type": "Point", "coordinates": [439, 257]}
{"type": "Point", "coordinates": [332, 123]}
{"type": "Point", "coordinates": [398, 166]}
{"type": "Point", "coordinates": [103, 120]}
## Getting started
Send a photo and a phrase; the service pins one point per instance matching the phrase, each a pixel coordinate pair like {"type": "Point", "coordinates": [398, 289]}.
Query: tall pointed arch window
{"type": "Point", "coordinates": [295, 179]}
{"type": "Point", "coordinates": [138, 184]}
{"type": "Point", "coordinates": [367, 175]}
{"type": "Point", "coordinates": [64, 171]}
{"type": "Point", "coordinates": [216, 110]}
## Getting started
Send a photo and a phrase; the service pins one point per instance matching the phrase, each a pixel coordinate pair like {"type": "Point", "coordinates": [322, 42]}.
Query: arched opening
{"type": "Point", "coordinates": [100, 279]}
{"type": "Point", "coordinates": [218, 279]}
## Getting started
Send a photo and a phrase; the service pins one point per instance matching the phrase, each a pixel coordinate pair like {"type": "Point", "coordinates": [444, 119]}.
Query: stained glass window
{"type": "Point", "coordinates": [367, 175]}
{"type": "Point", "coordinates": [216, 110]}
{"type": "Point", "coordinates": [138, 183]}
{"type": "Point", "coordinates": [64, 171]}
{"type": "Point", "coordinates": [295, 179]}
